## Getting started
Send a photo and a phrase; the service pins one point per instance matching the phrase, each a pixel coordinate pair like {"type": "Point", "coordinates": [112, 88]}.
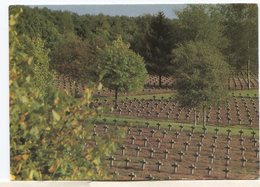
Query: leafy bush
{"type": "Point", "coordinates": [50, 133]}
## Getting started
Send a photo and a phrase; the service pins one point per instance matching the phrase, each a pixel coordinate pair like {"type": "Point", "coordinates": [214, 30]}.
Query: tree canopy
{"type": "Point", "coordinates": [121, 68]}
{"type": "Point", "coordinates": [201, 74]}
{"type": "Point", "coordinates": [159, 45]}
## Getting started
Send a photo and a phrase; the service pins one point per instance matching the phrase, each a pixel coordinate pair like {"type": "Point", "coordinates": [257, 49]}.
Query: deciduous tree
{"type": "Point", "coordinates": [122, 69]}
{"type": "Point", "coordinates": [201, 75]}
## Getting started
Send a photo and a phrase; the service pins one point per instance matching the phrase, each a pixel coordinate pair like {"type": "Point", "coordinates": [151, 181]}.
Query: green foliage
{"type": "Point", "coordinates": [201, 74]}
{"type": "Point", "coordinates": [241, 28]}
{"type": "Point", "coordinates": [159, 44]}
{"type": "Point", "coordinates": [43, 77]}
{"type": "Point", "coordinates": [122, 69]}
{"type": "Point", "coordinates": [74, 57]}
{"type": "Point", "coordinates": [50, 138]}
{"type": "Point", "coordinates": [202, 23]}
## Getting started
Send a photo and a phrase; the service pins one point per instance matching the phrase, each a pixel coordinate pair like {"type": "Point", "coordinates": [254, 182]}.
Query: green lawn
{"type": "Point", "coordinates": [244, 93]}
{"type": "Point", "coordinates": [165, 123]}
{"type": "Point", "coordinates": [173, 94]}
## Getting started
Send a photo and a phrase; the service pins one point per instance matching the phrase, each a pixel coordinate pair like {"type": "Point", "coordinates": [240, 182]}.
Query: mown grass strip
{"type": "Point", "coordinates": [175, 126]}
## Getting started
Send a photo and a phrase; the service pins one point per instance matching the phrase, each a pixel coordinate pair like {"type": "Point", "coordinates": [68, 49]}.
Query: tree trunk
{"type": "Point", "coordinates": [248, 74]}
{"type": "Point", "coordinates": [204, 116]}
{"type": "Point", "coordinates": [116, 94]}
{"type": "Point", "coordinates": [160, 81]}
{"type": "Point", "coordinates": [195, 117]}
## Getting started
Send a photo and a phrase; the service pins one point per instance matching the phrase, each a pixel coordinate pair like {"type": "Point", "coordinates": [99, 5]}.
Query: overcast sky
{"type": "Point", "coordinates": [112, 10]}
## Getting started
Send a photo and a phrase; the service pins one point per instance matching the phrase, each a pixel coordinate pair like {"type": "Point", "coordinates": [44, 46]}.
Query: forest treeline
{"type": "Point", "coordinates": [231, 28]}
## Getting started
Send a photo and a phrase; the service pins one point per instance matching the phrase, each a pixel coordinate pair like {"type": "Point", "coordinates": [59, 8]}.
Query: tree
{"type": "Point", "coordinates": [202, 23]}
{"type": "Point", "coordinates": [74, 57]}
{"type": "Point", "coordinates": [241, 28]}
{"type": "Point", "coordinates": [201, 75]}
{"type": "Point", "coordinates": [122, 69]}
{"type": "Point", "coordinates": [159, 45]}
{"type": "Point", "coordinates": [43, 76]}
{"type": "Point", "coordinates": [47, 137]}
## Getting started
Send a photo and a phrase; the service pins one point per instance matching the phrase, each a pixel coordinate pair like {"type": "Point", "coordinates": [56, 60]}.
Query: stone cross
{"type": "Point", "coordinates": [202, 136]}
{"type": "Point", "coordinates": [209, 169]}
{"type": "Point", "coordinates": [128, 130]}
{"type": "Point", "coordinates": [164, 133]}
{"type": "Point", "coordinates": [159, 164]}
{"type": "Point", "coordinates": [241, 140]}
{"type": "Point", "coordinates": [199, 145]}
{"type": "Point", "coordinates": [242, 149]}
{"type": "Point", "coordinates": [123, 148]}
{"type": "Point", "coordinates": [228, 131]}
{"type": "Point", "coordinates": [181, 128]}
{"type": "Point", "coordinates": [112, 159]}
{"type": "Point", "coordinates": [192, 168]}
{"type": "Point", "coordinates": [215, 137]}
{"type": "Point", "coordinates": [145, 139]}
{"type": "Point", "coordinates": [133, 139]}
{"type": "Point", "coordinates": [152, 132]}
{"type": "Point", "coordinates": [105, 128]}
{"type": "Point", "coordinates": [138, 149]}
{"type": "Point", "coordinates": [169, 127]}
{"type": "Point", "coordinates": [211, 158]}
{"type": "Point", "coordinates": [140, 131]}
{"type": "Point", "coordinates": [158, 126]}
{"type": "Point", "coordinates": [186, 145]}
{"type": "Point", "coordinates": [177, 134]}
{"type": "Point", "coordinates": [196, 155]}
{"type": "Point", "coordinates": [213, 147]}
{"type": "Point", "coordinates": [226, 171]}
{"type": "Point", "coordinates": [241, 133]}
{"type": "Point", "coordinates": [115, 174]}
{"type": "Point", "coordinates": [172, 142]}
{"type": "Point", "coordinates": [152, 151]}
{"type": "Point", "coordinates": [227, 149]}
{"type": "Point", "coordinates": [132, 175]}
{"type": "Point", "coordinates": [243, 161]}
{"type": "Point", "coordinates": [227, 158]}
{"type": "Point", "coordinates": [192, 129]}
{"type": "Point", "coordinates": [229, 139]}
{"type": "Point", "coordinates": [189, 135]}
{"type": "Point", "coordinates": [255, 142]}
{"type": "Point", "coordinates": [166, 152]}
{"type": "Point", "coordinates": [158, 142]}
{"type": "Point", "coordinates": [175, 166]}
{"type": "Point", "coordinates": [143, 162]}
{"type": "Point", "coordinates": [216, 131]}
{"type": "Point", "coordinates": [127, 160]}
{"type": "Point", "coordinates": [204, 130]}
{"type": "Point", "coordinates": [181, 155]}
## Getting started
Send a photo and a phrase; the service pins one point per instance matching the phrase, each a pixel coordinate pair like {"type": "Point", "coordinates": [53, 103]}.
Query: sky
{"type": "Point", "coordinates": [112, 10]}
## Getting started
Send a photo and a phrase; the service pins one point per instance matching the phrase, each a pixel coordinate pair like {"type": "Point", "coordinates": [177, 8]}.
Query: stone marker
{"type": "Point", "coordinates": [159, 164]}
{"type": "Point", "coordinates": [243, 161]}
{"type": "Point", "coordinates": [226, 171]}
{"type": "Point", "coordinates": [192, 168]}
{"type": "Point", "coordinates": [127, 160]}
{"type": "Point", "coordinates": [132, 175]}
{"type": "Point", "coordinates": [175, 166]}
{"type": "Point", "coordinates": [209, 169]}
{"type": "Point", "coordinates": [181, 155]}
{"type": "Point", "coordinates": [111, 159]}
{"type": "Point", "coordinates": [123, 148]}
{"type": "Point", "coordinates": [143, 162]}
